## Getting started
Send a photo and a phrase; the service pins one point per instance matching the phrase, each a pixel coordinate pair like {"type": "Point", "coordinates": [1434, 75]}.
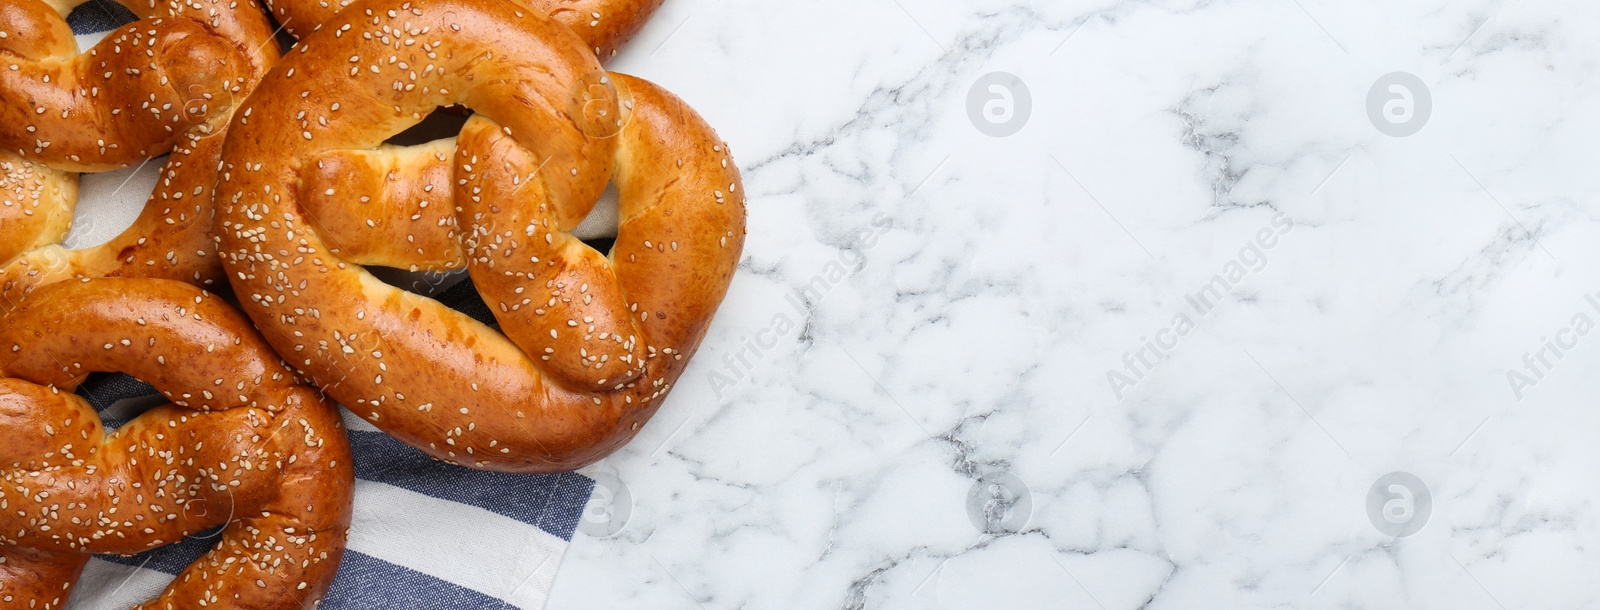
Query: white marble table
{"type": "Point", "coordinates": [1181, 321]}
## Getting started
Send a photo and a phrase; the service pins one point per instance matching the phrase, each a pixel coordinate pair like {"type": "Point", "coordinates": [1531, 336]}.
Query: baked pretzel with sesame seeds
{"type": "Point", "coordinates": [604, 25]}
{"type": "Point", "coordinates": [165, 83]}
{"type": "Point", "coordinates": [242, 445]}
{"type": "Point", "coordinates": [395, 176]}
{"type": "Point", "coordinates": [592, 342]}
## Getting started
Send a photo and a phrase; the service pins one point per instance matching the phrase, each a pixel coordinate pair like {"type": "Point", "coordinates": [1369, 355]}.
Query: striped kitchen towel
{"type": "Point", "coordinates": [426, 535]}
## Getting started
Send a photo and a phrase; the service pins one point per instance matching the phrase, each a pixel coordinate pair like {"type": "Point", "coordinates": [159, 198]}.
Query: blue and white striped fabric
{"type": "Point", "coordinates": [426, 535]}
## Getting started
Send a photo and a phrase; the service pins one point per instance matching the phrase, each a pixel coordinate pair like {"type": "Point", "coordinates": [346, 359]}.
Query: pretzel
{"type": "Point", "coordinates": [593, 343]}
{"type": "Point", "coordinates": [241, 444]}
{"type": "Point", "coordinates": [604, 25]}
{"type": "Point", "coordinates": [164, 83]}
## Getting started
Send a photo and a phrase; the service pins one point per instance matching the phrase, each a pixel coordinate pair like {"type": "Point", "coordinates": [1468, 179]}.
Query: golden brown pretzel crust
{"type": "Point", "coordinates": [35, 205]}
{"type": "Point", "coordinates": [604, 25]}
{"type": "Point", "coordinates": [595, 343]}
{"type": "Point", "coordinates": [165, 83]}
{"type": "Point", "coordinates": [242, 444]}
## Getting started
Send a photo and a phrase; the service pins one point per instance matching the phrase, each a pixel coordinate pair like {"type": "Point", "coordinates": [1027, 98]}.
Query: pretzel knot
{"type": "Point", "coordinates": [592, 342]}
{"type": "Point", "coordinates": [242, 445]}
{"type": "Point", "coordinates": [165, 83]}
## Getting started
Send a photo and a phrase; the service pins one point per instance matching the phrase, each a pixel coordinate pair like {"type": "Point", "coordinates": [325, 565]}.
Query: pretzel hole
{"type": "Point", "coordinates": [100, 17]}
{"type": "Point", "coordinates": [118, 397]}
{"type": "Point", "coordinates": [600, 226]}
{"type": "Point", "coordinates": [109, 202]}
{"type": "Point", "coordinates": [425, 283]}
{"type": "Point", "coordinates": [433, 284]}
{"type": "Point", "coordinates": [444, 122]}
{"type": "Point", "coordinates": [283, 34]}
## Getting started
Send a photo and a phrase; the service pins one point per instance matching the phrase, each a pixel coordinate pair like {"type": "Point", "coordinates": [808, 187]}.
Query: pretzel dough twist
{"type": "Point", "coordinates": [165, 83]}
{"type": "Point", "coordinates": [389, 173]}
{"type": "Point", "coordinates": [242, 444]}
{"type": "Point", "coordinates": [595, 342]}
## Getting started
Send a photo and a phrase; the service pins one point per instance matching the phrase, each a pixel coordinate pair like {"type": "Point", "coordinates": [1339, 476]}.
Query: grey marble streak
{"type": "Point", "coordinates": [820, 450]}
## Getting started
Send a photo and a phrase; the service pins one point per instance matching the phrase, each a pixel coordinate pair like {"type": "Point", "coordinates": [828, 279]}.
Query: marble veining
{"type": "Point", "coordinates": [930, 318]}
